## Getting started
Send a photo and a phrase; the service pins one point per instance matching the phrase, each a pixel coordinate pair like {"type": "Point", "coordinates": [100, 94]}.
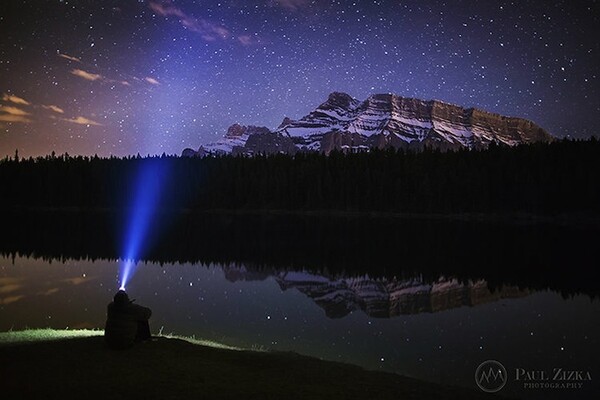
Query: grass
{"type": "Point", "coordinates": [201, 342]}
{"type": "Point", "coordinates": [45, 335]}
{"type": "Point", "coordinates": [39, 335]}
{"type": "Point", "coordinates": [68, 364]}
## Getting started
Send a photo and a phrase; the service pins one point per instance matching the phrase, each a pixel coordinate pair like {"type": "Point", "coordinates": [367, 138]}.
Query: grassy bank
{"type": "Point", "coordinates": [52, 364]}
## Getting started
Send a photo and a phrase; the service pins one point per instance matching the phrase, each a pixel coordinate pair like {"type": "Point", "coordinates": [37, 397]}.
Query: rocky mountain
{"type": "Point", "coordinates": [381, 121]}
{"type": "Point", "coordinates": [233, 142]}
{"type": "Point", "coordinates": [380, 298]}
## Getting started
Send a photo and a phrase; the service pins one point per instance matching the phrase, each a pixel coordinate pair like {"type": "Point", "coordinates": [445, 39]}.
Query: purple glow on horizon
{"type": "Point", "coordinates": [87, 78]}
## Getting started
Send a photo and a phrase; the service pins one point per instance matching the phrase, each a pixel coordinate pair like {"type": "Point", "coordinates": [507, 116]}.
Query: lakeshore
{"type": "Point", "coordinates": [57, 364]}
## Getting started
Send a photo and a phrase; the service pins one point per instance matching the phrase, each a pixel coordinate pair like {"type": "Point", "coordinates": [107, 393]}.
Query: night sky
{"type": "Point", "coordinates": [127, 77]}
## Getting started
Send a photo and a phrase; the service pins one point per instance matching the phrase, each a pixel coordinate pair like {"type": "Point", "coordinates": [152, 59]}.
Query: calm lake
{"type": "Point", "coordinates": [426, 299]}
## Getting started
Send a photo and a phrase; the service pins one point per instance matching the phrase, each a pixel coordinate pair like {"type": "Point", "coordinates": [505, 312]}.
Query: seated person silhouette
{"type": "Point", "coordinates": [126, 322]}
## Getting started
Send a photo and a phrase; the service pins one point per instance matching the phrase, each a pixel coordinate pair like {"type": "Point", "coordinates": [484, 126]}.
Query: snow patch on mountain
{"type": "Point", "coordinates": [382, 120]}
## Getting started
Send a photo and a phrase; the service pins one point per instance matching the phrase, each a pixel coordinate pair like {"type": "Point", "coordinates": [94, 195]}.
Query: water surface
{"type": "Point", "coordinates": [434, 329]}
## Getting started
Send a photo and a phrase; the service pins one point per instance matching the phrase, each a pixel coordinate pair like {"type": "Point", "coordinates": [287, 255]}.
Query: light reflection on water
{"type": "Point", "coordinates": [438, 331]}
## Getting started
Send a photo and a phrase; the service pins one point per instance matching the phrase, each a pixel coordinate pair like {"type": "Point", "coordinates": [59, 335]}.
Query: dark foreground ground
{"type": "Point", "coordinates": [84, 368]}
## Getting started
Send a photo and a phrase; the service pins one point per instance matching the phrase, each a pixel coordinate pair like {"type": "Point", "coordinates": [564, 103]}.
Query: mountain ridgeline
{"type": "Point", "coordinates": [382, 121]}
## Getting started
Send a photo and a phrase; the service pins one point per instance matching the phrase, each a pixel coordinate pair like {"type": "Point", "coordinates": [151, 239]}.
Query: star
{"type": "Point", "coordinates": [157, 76]}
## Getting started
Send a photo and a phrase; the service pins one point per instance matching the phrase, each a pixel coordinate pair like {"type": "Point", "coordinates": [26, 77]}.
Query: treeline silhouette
{"type": "Point", "coordinates": [543, 178]}
{"type": "Point", "coordinates": [530, 255]}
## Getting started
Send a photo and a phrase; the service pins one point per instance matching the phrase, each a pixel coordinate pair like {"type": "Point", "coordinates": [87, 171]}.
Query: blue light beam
{"type": "Point", "coordinates": [146, 200]}
{"type": "Point", "coordinates": [126, 270]}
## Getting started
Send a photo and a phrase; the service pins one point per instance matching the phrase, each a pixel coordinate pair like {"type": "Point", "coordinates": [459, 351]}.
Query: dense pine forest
{"type": "Point", "coordinates": [91, 200]}
{"type": "Point", "coordinates": [546, 179]}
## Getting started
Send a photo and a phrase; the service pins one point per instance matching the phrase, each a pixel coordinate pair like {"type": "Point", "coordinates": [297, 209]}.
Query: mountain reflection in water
{"type": "Point", "coordinates": [381, 298]}
{"type": "Point", "coordinates": [429, 298]}
{"type": "Point", "coordinates": [436, 329]}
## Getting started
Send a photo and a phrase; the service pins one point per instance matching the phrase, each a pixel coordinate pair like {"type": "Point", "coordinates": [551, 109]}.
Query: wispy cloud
{"type": "Point", "coordinates": [98, 77]}
{"type": "Point", "coordinates": [292, 5]}
{"type": "Point", "coordinates": [208, 30]}
{"type": "Point", "coordinates": [82, 121]}
{"type": "Point", "coordinates": [13, 110]}
{"type": "Point", "coordinates": [90, 76]}
{"type": "Point", "coordinates": [10, 299]}
{"type": "Point", "coordinates": [151, 80]}
{"type": "Point", "coordinates": [14, 118]}
{"type": "Point", "coordinates": [13, 114]}
{"type": "Point", "coordinates": [49, 292]}
{"type": "Point", "coordinates": [10, 288]}
{"type": "Point", "coordinates": [86, 75]}
{"type": "Point", "coordinates": [68, 57]}
{"type": "Point", "coordinates": [247, 40]}
{"type": "Point", "coordinates": [56, 109]}
{"type": "Point", "coordinates": [9, 113]}
{"type": "Point", "coordinates": [78, 280]}
{"type": "Point", "coordinates": [15, 99]}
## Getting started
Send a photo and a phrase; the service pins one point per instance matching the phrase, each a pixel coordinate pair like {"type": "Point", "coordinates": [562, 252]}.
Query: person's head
{"type": "Point", "coordinates": [121, 299]}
